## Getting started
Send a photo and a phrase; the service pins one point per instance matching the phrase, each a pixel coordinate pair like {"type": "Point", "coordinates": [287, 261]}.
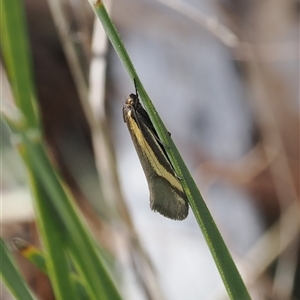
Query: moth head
{"type": "Point", "coordinates": [132, 101]}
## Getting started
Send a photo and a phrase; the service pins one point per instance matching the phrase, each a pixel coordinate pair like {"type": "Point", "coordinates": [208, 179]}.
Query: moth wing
{"type": "Point", "coordinates": [166, 200]}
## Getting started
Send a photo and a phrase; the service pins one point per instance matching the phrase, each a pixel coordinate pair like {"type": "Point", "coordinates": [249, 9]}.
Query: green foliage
{"type": "Point", "coordinates": [11, 275]}
{"type": "Point", "coordinates": [63, 233]}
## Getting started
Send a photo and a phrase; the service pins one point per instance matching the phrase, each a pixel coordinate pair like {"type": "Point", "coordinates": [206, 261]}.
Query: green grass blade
{"type": "Point", "coordinates": [62, 230]}
{"type": "Point", "coordinates": [15, 50]}
{"type": "Point", "coordinates": [79, 244]}
{"type": "Point", "coordinates": [31, 253]}
{"type": "Point", "coordinates": [53, 235]}
{"type": "Point", "coordinates": [232, 280]}
{"type": "Point", "coordinates": [54, 205]}
{"type": "Point", "coordinates": [11, 276]}
{"type": "Point", "coordinates": [38, 259]}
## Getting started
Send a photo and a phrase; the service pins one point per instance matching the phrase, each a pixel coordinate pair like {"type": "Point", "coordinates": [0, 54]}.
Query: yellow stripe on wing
{"type": "Point", "coordinates": [158, 168]}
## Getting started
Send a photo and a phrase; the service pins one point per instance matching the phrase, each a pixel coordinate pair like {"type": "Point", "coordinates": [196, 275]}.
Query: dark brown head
{"type": "Point", "coordinates": [131, 103]}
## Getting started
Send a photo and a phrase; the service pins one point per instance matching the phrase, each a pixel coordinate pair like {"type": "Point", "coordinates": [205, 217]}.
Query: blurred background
{"type": "Point", "coordinates": [224, 77]}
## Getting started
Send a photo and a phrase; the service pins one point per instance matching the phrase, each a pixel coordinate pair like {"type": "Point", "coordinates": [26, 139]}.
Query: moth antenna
{"type": "Point", "coordinates": [136, 91]}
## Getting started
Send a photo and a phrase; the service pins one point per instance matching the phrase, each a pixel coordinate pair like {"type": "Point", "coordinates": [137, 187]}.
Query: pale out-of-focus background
{"type": "Point", "coordinates": [224, 77]}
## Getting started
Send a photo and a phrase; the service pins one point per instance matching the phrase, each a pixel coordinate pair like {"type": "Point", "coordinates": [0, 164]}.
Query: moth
{"type": "Point", "coordinates": [166, 193]}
